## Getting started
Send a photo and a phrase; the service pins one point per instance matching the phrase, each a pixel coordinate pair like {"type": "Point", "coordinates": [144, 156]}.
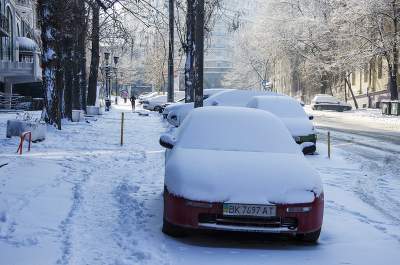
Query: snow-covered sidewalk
{"type": "Point", "coordinates": [80, 198]}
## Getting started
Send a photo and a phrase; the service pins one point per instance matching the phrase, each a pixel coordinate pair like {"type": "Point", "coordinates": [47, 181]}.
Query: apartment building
{"type": "Point", "coordinates": [19, 50]}
{"type": "Point", "coordinates": [370, 84]}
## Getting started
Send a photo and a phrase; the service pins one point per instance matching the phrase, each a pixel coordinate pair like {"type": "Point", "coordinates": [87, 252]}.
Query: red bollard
{"type": "Point", "coordinates": [22, 139]}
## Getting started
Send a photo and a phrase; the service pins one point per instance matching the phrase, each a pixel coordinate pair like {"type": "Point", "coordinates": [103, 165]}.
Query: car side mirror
{"type": "Point", "coordinates": [167, 141]}
{"type": "Point", "coordinates": [311, 117]}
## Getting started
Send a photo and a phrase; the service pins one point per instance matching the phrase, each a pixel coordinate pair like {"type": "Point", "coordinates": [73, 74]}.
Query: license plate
{"type": "Point", "coordinates": [232, 209]}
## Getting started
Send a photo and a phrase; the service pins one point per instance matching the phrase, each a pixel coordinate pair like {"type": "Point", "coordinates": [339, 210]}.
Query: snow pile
{"type": "Point", "coordinates": [288, 110]}
{"type": "Point", "coordinates": [239, 155]}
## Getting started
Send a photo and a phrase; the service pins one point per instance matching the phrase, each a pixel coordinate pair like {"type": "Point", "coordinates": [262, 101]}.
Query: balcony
{"type": "Point", "coordinates": [4, 32]}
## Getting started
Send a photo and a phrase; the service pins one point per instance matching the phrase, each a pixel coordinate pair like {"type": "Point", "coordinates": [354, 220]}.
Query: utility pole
{"type": "Point", "coordinates": [171, 53]}
{"type": "Point", "coordinates": [199, 54]}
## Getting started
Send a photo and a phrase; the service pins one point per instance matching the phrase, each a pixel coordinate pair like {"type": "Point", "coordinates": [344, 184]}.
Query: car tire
{"type": "Point", "coordinates": [309, 237]}
{"type": "Point", "coordinates": [156, 108]}
{"type": "Point", "coordinates": [310, 150]}
{"type": "Point", "coordinates": [173, 230]}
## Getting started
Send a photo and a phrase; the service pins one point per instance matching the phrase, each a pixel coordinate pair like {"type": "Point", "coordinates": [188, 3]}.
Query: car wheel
{"type": "Point", "coordinates": [157, 108]}
{"type": "Point", "coordinates": [309, 150]}
{"type": "Point", "coordinates": [173, 230]}
{"type": "Point", "coordinates": [309, 237]}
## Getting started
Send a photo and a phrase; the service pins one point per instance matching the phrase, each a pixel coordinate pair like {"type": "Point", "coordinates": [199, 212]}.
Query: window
{"type": "Point", "coordinates": [380, 66]}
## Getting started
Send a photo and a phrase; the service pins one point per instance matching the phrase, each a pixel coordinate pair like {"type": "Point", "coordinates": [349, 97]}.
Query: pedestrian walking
{"type": "Point", "coordinates": [133, 101]}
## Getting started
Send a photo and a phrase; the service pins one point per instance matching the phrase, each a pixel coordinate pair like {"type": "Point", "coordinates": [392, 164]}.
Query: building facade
{"type": "Point", "coordinates": [19, 49]}
{"type": "Point", "coordinates": [370, 84]}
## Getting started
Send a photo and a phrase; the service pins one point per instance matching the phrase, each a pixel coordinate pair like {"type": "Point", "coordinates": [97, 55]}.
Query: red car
{"type": "Point", "coordinates": [239, 169]}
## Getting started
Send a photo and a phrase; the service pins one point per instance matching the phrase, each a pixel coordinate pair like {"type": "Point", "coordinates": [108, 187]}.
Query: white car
{"type": "Point", "coordinates": [206, 94]}
{"type": "Point", "coordinates": [228, 170]}
{"type": "Point", "coordinates": [232, 97]}
{"type": "Point", "coordinates": [328, 102]}
{"type": "Point", "coordinates": [146, 96]}
{"type": "Point", "coordinates": [154, 103]}
{"type": "Point", "coordinates": [293, 116]}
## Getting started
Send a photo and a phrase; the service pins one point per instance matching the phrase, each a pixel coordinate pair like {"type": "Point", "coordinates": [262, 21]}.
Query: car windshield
{"type": "Point", "coordinates": [235, 129]}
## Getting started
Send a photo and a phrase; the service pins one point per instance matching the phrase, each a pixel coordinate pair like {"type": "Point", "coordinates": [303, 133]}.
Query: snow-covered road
{"type": "Point", "coordinates": [80, 198]}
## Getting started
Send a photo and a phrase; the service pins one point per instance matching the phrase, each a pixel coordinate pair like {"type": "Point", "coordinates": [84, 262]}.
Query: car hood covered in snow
{"type": "Point", "coordinates": [299, 126]}
{"type": "Point", "coordinates": [241, 177]}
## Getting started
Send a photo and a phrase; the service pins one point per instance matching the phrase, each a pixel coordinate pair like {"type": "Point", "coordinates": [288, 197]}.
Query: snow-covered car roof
{"type": "Point", "coordinates": [158, 98]}
{"type": "Point", "coordinates": [325, 98]}
{"type": "Point", "coordinates": [241, 155]}
{"type": "Point", "coordinates": [288, 110]}
{"type": "Point", "coordinates": [228, 97]}
{"type": "Point", "coordinates": [282, 106]}
{"type": "Point", "coordinates": [235, 97]}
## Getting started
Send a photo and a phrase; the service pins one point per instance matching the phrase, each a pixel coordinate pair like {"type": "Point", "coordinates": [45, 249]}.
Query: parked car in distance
{"type": "Point", "coordinates": [328, 102]}
{"type": "Point", "coordinates": [238, 169]}
{"type": "Point", "coordinates": [154, 103]}
{"type": "Point", "coordinates": [146, 96]}
{"type": "Point", "coordinates": [293, 116]}
{"type": "Point", "coordinates": [206, 94]}
{"type": "Point", "coordinates": [231, 97]}
{"type": "Point", "coordinates": [164, 106]}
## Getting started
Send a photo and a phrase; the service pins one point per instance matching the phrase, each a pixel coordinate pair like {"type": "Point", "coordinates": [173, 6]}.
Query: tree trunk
{"type": "Point", "coordinates": [83, 74]}
{"type": "Point", "coordinates": [68, 79]}
{"type": "Point", "coordinates": [95, 56]}
{"type": "Point", "coordinates": [78, 92]}
{"type": "Point", "coordinates": [189, 50]}
{"type": "Point", "coordinates": [171, 52]}
{"type": "Point", "coordinates": [51, 55]}
{"type": "Point", "coordinates": [351, 91]}
{"type": "Point", "coordinates": [394, 95]}
{"type": "Point", "coordinates": [82, 53]}
{"type": "Point", "coordinates": [199, 54]}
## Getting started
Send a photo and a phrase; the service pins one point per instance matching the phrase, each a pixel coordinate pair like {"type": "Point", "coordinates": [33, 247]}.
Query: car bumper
{"type": "Point", "coordinates": [209, 216]}
{"type": "Point", "coordinates": [311, 138]}
{"type": "Point", "coordinates": [334, 107]}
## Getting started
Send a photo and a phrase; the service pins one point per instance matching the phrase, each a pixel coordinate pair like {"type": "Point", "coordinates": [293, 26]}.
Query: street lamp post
{"type": "Point", "coordinates": [107, 71]}
{"type": "Point", "coordinates": [116, 59]}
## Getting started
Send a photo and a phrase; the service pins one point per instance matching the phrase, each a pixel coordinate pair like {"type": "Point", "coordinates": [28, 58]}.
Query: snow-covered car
{"type": "Point", "coordinates": [167, 104]}
{"type": "Point", "coordinates": [231, 97]}
{"type": "Point", "coordinates": [227, 169]}
{"type": "Point", "coordinates": [328, 102]}
{"type": "Point", "coordinates": [147, 96]}
{"type": "Point", "coordinates": [293, 116]}
{"type": "Point", "coordinates": [206, 94]}
{"type": "Point", "coordinates": [154, 103]}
